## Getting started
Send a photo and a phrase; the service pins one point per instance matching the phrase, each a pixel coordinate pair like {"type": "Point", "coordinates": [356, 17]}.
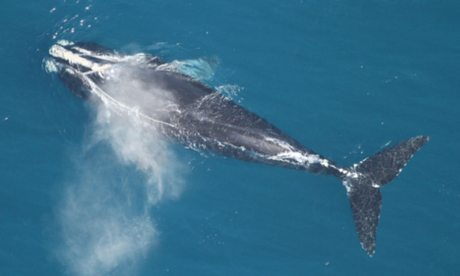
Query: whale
{"type": "Point", "coordinates": [187, 112]}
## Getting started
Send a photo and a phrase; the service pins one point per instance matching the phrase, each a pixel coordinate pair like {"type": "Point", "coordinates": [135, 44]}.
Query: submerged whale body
{"type": "Point", "coordinates": [188, 112]}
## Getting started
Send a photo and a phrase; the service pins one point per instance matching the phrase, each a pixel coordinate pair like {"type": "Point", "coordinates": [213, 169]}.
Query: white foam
{"type": "Point", "coordinates": [106, 225]}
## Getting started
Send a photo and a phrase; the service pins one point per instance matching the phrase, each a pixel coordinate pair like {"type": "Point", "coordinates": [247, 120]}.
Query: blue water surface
{"type": "Point", "coordinates": [344, 78]}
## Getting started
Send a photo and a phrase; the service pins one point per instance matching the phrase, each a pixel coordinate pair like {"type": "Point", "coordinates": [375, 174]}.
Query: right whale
{"type": "Point", "coordinates": [188, 112]}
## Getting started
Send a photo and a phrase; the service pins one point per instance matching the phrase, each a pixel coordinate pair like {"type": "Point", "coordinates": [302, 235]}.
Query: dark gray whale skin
{"type": "Point", "coordinates": [203, 119]}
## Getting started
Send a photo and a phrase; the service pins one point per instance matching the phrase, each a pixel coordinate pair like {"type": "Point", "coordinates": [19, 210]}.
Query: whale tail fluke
{"type": "Point", "coordinates": [364, 180]}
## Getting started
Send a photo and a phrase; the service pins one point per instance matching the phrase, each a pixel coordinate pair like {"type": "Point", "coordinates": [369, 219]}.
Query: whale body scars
{"type": "Point", "coordinates": [188, 112]}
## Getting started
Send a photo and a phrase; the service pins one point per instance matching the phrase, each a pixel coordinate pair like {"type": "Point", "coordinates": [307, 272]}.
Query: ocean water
{"type": "Point", "coordinates": [345, 78]}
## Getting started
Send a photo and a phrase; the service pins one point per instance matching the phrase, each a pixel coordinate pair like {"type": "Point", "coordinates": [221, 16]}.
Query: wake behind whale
{"type": "Point", "coordinates": [188, 112]}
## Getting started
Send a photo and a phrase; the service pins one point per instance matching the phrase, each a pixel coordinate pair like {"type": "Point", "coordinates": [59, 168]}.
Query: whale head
{"type": "Point", "coordinates": [81, 65]}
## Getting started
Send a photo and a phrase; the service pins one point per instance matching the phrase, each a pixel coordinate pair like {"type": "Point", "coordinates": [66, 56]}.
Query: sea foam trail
{"type": "Point", "coordinates": [104, 215]}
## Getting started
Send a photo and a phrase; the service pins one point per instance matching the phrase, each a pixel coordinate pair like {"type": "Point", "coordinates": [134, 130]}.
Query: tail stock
{"type": "Point", "coordinates": [363, 181]}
